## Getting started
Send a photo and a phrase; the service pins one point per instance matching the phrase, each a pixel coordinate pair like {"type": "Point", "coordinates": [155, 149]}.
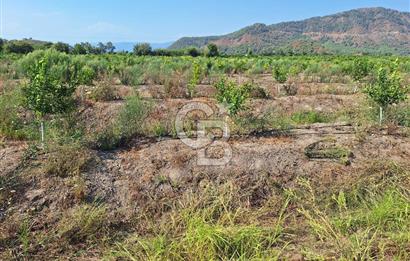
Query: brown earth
{"type": "Point", "coordinates": [151, 174]}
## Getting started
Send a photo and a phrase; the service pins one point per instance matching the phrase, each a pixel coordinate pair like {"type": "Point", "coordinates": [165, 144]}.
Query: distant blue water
{"type": "Point", "coordinates": [128, 46]}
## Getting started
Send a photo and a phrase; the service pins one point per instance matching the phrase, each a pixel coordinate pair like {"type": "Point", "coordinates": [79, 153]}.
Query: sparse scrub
{"type": "Point", "coordinates": [66, 161]}
{"type": "Point", "coordinates": [103, 92]}
{"type": "Point", "coordinates": [130, 123]}
{"type": "Point", "coordinates": [132, 75]}
{"type": "Point", "coordinates": [11, 124]}
{"type": "Point", "coordinates": [205, 227]}
{"type": "Point", "coordinates": [258, 92]}
{"type": "Point", "coordinates": [279, 198]}
{"type": "Point", "coordinates": [370, 226]}
{"type": "Point", "coordinates": [83, 223]}
{"type": "Point", "coordinates": [399, 115]}
{"type": "Point", "coordinates": [310, 117]}
{"type": "Point", "coordinates": [291, 89]}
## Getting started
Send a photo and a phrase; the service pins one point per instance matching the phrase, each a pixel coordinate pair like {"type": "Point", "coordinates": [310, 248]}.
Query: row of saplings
{"type": "Point", "coordinates": [46, 93]}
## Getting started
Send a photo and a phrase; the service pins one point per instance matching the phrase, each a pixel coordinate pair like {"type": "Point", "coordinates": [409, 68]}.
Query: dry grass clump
{"type": "Point", "coordinates": [67, 160]}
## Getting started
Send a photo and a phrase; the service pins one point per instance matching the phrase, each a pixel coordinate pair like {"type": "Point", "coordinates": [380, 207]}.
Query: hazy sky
{"type": "Point", "coordinates": [158, 20]}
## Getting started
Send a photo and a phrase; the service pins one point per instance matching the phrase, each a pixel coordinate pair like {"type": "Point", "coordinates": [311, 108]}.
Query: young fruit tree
{"type": "Point", "coordinates": [280, 74]}
{"type": "Point", "coordinates": [47, 93]}
{"type": "Point", "coordinates": [195, 78]}
{"type": "Point", "coordinates": [387, 89]}
{"type": "Point", "coordinates": [232, 95]}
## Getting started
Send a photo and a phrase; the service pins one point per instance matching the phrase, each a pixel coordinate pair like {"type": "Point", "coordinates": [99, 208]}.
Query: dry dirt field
{"type": "Point", "coordinates": [295, 192]}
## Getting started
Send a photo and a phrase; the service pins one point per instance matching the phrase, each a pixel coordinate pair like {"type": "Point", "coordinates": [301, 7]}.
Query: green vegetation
{"type": "Point", "coordinates": [360, 69]}
{"type": "Point", "coordinates": [48, 94]}
{"type": "Point", "coordinates": [388, 89]}
{"type": "Point", "coordinates": [195, 79]}
{"type": "Point", "coordinates": [142, 49]}
{"type": "Point", "coordinates": [212, 50]}
{"type": "Point", "coordinates": [215, 225]}
{"type": "Point", "coordinates": [366, 221]}
{"type": "Point", "coordinates": [129, 123]}
{"type": "Point", "coordinates": [335, 36]}
{"type": "Point", "coordinates": [280, 74]}
{"type": "Point", "coordinates": [361, 212]}
{"type": "Point", "coordinates": [10, 123]}
{"type": "Point", "coordinates": [85, 222]}
{"type": "Point", "coordinates": [231, 95]}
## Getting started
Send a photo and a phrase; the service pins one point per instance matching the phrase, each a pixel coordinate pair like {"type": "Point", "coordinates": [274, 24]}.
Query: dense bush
{"type": "Point", "coordinates": [142, 49]}
{"type": "Point", "coordinates": [212, 50]}
{"type": "Point", "coordinates": [360, 69]}
{"type": "Point", "coordinates": [21, 47]}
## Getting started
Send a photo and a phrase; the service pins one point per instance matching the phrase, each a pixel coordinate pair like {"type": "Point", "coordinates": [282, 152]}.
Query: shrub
{"type": "Point", "coordinates": [86, 75]}
{"type": "Point", "coordinates": [309, 117]}
{"type": "Point", "coordinates": [212, 50]}
{"type": "Point", "coordinates": [280, 74]}
{"type": "Point", "coordinates": [399, 115]}
{"type": "Point", "coordinates": [103, 92]}
{"type": "Point", "coordinates": [258, 92]}
{"type": "Point", "coordinates": [232, 95]}
{"type": "Point", "coordinates": [132, 75]}
{"type": "Point", "coordinates": [109, 139]}
{"type": "Point", "coordinates": [195, 78]}
{"type": "Point", "coordinates": [360, 69]}
{"type": "Point", "coordinates": [142, 49]}
{"type": "Point", "coordinates": [130, 122]}
{"type": "Point", "coordinates": [19, 47]}
{"type": "Point", "coordinates": [58, 63]}
{"type": "Point", "coordinates": [132, 116]}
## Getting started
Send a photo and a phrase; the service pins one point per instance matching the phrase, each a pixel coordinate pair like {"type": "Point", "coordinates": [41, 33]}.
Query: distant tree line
{"type": "Point", "coordinates": [28, 45]}
{"type": "Point", "coordinates": [145, 49]}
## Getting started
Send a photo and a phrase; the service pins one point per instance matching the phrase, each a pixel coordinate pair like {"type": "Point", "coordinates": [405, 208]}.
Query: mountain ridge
{"type": "Point", "coordinates": [365, 30]}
